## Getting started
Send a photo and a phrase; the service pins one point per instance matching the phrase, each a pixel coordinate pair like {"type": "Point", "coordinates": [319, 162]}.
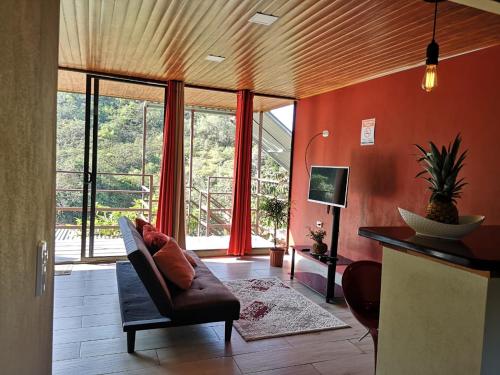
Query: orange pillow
{"type": "Point", "coordinates": [153, 240]}
{"type": "Point", "coordinates": [140, 223]}
{"type": "Point", "coordinates": [173, 264]}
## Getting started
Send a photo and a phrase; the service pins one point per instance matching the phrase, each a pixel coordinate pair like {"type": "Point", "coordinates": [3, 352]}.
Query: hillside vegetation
{"type": "Point", "coordinates": [120, 139]}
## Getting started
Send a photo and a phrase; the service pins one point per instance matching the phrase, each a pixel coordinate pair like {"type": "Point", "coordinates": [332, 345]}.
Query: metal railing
{"type": "Point", "coordinates": [209, 211]}
{"type": "Point", "coordinates": [214, 207]}
{"type": "Point", "coordinates": [144, 192]}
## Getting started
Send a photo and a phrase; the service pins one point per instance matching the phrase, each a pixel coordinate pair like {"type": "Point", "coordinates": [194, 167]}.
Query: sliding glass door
{"type": "Point", "coordinates": [114, 153]}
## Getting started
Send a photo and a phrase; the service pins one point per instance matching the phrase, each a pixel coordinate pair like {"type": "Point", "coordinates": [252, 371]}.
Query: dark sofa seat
{"type": "Point", "coordinates": [207, 295]}
{"type": "Point", "coordinates": [148, 301]}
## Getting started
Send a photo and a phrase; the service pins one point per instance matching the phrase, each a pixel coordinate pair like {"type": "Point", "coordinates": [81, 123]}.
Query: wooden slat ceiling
{"type": "Point", "coordinates": [315, 46]}
{"type": "Point", "coordinates": [75, 82]}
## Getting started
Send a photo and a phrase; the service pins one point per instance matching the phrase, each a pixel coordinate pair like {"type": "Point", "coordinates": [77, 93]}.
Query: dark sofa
{"type": "Point", "coordinates": [148, 301]}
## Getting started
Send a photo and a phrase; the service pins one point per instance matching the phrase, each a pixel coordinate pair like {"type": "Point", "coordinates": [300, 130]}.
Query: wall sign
{"type": "Point", "coordinates": [368, 132]}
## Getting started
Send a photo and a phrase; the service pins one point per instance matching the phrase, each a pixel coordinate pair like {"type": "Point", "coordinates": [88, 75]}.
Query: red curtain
{"type": "Point", "coordinates": [240, 241]}
{"type": "Point", "coordinates": [170, 216]}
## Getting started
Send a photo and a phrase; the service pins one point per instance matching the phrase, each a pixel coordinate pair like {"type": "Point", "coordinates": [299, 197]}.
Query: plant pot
{"type": "Point", "coordinates": [276, 256]}
{"type": "Point", "coordinates": [320, 248]}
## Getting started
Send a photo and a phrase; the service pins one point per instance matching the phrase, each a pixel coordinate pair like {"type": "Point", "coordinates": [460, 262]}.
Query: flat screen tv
{"type": "Point", "coordinates": [328, 185]}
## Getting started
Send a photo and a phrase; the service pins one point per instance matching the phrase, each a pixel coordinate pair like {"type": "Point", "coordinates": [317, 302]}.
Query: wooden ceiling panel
{"type": "Point", "coordinates": [314, 46]}
{"type": "Point", "coordinates": [75, 82]}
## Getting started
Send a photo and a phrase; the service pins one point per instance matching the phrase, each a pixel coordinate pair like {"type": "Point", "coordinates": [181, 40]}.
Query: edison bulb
{"type": "Point", "coordinates": [430, 80]}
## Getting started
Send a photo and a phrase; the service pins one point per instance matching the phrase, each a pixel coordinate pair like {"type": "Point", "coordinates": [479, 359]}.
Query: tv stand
{"type": "Point", "coordinates": [324, 286]}
{"type": "Point", "coordinates": [334, 244]}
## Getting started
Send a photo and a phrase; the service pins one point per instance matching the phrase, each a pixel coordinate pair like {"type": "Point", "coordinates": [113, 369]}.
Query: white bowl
{"type": "Point", "coordinates": [431, 228]}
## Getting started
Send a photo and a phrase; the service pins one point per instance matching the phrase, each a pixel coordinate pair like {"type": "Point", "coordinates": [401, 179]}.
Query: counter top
{"type": "Point", "coordinates": [479, 250]}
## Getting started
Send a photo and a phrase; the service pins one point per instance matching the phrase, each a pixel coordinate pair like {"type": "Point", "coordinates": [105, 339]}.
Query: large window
{"type": "Point", "coordinates": [270, 168]}
{"type": "Point", "coordinates": [125, 151]}
{"type": "Point", "coordinates": [209, 160]}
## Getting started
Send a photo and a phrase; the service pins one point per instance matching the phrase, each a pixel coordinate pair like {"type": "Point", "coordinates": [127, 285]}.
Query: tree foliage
{"type": "Point", "coordinates": [120, 138]}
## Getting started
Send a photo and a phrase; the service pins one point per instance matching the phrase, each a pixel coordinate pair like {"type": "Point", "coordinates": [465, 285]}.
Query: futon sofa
{"type": "Point", "coordinates": [148, 300]}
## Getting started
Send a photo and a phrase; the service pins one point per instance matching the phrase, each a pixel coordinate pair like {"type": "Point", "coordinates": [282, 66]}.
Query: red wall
{"type": "Point", "coordinates": [382, 176]}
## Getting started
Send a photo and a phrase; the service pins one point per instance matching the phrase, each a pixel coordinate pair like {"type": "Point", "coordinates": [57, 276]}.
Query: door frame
{"type": "Point", "coordinates": [90, 161]}
{"type": "Point", "coordinates": [90, 177]}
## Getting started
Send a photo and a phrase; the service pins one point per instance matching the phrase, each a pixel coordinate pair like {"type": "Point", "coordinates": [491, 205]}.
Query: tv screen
{"type": "Point", "coordinates": [328, 185]}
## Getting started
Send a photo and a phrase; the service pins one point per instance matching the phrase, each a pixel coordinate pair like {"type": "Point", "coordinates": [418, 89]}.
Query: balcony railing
{"type": "Point", "coordinates": [208, 211]}
{"type": "Point", "coordinates": [211, 209]}
{"type": "Point", "coordinates": [144, 194]}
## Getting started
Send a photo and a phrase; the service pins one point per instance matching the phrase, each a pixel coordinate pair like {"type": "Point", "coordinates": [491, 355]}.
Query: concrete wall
{"type": "Point", "coordinates": [28, 83]}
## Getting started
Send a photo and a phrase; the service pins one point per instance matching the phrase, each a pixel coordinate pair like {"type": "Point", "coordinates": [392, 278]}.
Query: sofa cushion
{"type": "Point", "coordinates": [153, 239]}
{"type": "Point", "coordinates": [173, 264]}
{"type": "Point", "coordinates": [206, 300]}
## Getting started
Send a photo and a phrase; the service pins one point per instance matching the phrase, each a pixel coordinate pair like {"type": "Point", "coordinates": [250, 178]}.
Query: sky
{"type": "Point", "coordinates": [285, 115]}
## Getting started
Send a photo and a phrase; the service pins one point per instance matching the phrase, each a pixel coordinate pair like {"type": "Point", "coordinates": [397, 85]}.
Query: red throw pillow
{"type": "Point", "coordinates": [173, 264]}
{"type": "Point", "coordinates": [153, 240]}
{"type": "Point", "coordinates": [140, 223]}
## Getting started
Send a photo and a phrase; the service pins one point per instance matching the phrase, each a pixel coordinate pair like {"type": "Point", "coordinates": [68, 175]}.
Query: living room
{"type": "Point", "coordinates": [268, 187]}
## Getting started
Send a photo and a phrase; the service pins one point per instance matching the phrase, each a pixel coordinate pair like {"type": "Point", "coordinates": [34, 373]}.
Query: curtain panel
{"type": "Point", "coordinates": [240, 241]}
{"type": "Point", "coordinates": [170, 217]}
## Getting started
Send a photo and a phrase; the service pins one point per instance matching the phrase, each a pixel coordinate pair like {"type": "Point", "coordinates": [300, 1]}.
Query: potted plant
{"type": "Point", "coordinates": [317, 235]}
{"type": "Point", "coordinates": [441, 170]}
{"type": "Point", "coordinates": [275, 211]}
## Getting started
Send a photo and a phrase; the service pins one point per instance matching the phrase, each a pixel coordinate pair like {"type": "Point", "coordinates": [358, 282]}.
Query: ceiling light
{"type": "Point", "coordinates": [263, 19]}
{"type": "Point", "coordinates": [430, 81]}
{"type": "Point", "coordinates": [214, 58]}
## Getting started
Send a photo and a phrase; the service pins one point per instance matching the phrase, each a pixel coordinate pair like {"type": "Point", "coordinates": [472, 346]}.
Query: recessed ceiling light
{"type": "Point", "coordinates": [215, 58]}
{"type": "Point", "coordinates": [263, 19]}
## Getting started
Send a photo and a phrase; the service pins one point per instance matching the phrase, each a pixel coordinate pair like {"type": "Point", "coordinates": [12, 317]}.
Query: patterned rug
{"type": "Point", "coordinates": [270, 308]}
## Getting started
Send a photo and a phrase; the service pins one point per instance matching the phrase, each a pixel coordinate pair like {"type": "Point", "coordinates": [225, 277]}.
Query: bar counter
{"type": "Point", "coordinates": [440, 302]}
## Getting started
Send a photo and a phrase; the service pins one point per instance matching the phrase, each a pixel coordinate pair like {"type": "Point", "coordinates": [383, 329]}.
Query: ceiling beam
{"type": "Point", "coordinates": [492, 6]}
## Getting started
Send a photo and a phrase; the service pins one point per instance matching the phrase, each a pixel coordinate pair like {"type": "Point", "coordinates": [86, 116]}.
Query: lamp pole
{"type": "Point", "coordinates": [325, 133]}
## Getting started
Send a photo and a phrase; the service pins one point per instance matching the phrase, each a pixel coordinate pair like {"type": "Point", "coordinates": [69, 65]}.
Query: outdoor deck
{"type": "Point", "coordinates": [68, 245]}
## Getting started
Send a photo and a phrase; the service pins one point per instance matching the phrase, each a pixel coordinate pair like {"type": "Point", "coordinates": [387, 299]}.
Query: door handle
{"type": "Point", "coordinates": [88, 179]}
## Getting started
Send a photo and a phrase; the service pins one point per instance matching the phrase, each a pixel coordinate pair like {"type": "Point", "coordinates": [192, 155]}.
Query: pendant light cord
{"type": "Point", "coordinates": [435, 17]}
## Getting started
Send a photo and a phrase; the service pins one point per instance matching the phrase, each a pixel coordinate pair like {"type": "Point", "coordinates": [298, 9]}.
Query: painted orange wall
{"type": "Point", "coordinates": [382, 176]}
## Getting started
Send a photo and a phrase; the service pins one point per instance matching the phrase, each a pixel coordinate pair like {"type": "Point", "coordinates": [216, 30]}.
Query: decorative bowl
{"type": "Point", "coordinates": [431, 228]}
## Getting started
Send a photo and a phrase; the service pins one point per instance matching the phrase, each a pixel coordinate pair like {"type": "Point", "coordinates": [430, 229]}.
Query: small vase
{"type": "Point", "coordinates": [320, 248]}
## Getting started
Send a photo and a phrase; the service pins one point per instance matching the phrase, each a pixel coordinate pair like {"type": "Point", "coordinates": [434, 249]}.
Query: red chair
{"type": "Point", "coordinates": [361, 284]}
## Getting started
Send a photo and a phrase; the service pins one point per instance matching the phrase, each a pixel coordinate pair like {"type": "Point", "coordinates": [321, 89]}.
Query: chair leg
{"type": "Point", "coordinates": [228, 330]}
{"type": "Point", "coordinates": [374, 333]}
{"type": "Point", "coordinates": [130, 341]}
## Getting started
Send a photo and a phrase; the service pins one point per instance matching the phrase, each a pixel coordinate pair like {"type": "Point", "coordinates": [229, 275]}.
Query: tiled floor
{"type": "Point", "coordinates": [88, 338]}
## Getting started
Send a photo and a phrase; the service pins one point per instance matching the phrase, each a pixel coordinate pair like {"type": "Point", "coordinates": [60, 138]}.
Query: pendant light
{"type": "Point", "coordinates": [430, 80]}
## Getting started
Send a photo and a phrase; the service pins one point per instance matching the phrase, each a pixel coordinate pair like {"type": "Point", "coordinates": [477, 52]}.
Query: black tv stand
{"type": "Point", "coordinates": [324, 286]}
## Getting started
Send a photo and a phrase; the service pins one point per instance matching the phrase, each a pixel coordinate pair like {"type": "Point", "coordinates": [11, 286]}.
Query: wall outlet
{"type": "Point", "coordinates": [42, 261]}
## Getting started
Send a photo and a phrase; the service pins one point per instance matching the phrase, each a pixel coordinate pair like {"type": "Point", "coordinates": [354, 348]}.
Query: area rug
{"type": "Point", "coordinates": [270, 308]}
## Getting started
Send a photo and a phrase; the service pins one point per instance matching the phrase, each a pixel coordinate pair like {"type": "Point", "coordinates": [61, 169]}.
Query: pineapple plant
{"type": "Point", "coordinates": [441, 169]}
